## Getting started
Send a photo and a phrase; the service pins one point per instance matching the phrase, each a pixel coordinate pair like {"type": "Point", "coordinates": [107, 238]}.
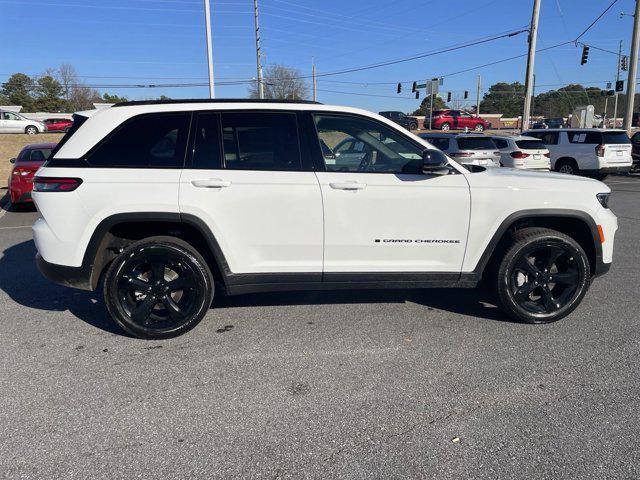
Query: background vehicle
{"type": "Point", "coordinates": [455, 120]}
{"type": "Point", "coordinates": [11, 122]}
{"type": "Point", "coordinates": [549, 123]}
{"type": "Point", "coordinates": [402, 119]}
{"type": "Point", "coordinates": [466, 148]}
{"type": "Point", "coordinates": [25, 165]}
{"type": "Point", "coordinates": [593, 152]}
{"type": "Point", "coordinates": [635, 152]}
{"type": "Point", "coordinates": [58, 124]}
{"type": "Point", "coordinates": [239, 203]}
{"type": "Point", "coordinates": [522, 152]}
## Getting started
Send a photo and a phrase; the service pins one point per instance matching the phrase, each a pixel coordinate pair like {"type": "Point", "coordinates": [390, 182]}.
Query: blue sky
{"type": "Point", "coordinates": [162, 41]}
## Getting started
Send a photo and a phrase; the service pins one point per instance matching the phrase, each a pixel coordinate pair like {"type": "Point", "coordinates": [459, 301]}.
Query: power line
{"type": "Point", "coordinates": [596, 20]}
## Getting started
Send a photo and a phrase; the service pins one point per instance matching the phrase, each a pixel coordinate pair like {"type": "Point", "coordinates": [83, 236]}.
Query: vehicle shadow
{"type": "Point", "coordinates": [5, 204]}
{"type": "Point", "coordinates": [21, 280]}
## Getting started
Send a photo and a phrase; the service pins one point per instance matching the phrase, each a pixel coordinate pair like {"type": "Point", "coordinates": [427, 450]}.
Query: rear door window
{"type": "Point", "coordinates": [476, 143]}
{"type": "Point", "coordinates": [154, 140]}
{"type": "Point", "coordinates": [587, 138]}
{"type": "Point", "coordinates": [260, 141]}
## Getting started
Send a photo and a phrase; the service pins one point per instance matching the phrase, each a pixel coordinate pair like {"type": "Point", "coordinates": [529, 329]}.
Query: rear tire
{"type": "Point", "coordinates": [445, 126]}
{"type": "Point", "coordinates": [567, 166]}
{"type": "Point", "coordinates": [479, 128]}
{"type": "Point", "coordinates": [542, 277]}
{"type": "Point", "coordinates": [157, 288]}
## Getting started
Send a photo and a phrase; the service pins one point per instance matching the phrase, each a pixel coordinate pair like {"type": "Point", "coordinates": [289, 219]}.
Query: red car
{"type": "Point", "coordinates": [58, 124]}
{"type": "Point", "coordinates": [456, 120]}
{"type": "Point", "coordinates": [25, 166]}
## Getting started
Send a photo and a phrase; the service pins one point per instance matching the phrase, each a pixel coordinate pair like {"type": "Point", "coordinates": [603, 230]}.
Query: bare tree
{"type": "Point", "coordinates": [68, 78]}
{"type": "Point", "coordinates": [282, 83]}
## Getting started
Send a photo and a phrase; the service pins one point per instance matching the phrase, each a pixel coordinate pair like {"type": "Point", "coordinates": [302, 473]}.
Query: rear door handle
{"type": "Point", "coordinates": [348, 186]}
{"type": "Point", "coordinates": [211, 183]}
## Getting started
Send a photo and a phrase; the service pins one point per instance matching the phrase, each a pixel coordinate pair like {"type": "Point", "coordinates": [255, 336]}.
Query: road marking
{"type": "Point", "coordinates": [3, 207]}
{"type": "Point", "coordinates": [14, 228]}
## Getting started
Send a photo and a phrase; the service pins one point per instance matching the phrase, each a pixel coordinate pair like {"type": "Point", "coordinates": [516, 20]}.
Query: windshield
{"type": "Point", "coordinates": [530, 145]}
{"type": "Point", "coordinates": [609, 138]}
{"type": "Point", "coordinates": [476, 143]}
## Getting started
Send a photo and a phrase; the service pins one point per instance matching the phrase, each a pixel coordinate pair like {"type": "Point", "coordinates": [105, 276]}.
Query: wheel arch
{"type": "Point", "coordinates": [577, 224]}
{"type": "Point", "coordinates": [565, 159]}
{"type": "Point", "coordinates": [115, 232]}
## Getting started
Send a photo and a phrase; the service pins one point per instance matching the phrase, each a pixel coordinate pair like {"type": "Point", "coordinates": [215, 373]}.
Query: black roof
{"type": "Point", "coordinates": [210, 100]}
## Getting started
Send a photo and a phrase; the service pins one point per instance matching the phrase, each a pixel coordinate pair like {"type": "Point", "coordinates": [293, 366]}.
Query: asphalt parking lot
{"type": "Point", "coordinates": [421, 383]}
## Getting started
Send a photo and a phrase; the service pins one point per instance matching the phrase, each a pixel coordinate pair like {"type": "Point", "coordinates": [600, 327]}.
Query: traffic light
{"type": "Point", "coordinates": [448, 96]}
{"type": "Point", "coordinates": [610, 93]}
{"type": "Point", "coordinates": [417, 94]}
{"type": "Point", "coordinates": [585, 54]}
{"type": "Point", "coordinates": [624, 63]}
{"type": "Point", "coordinates": [466, 94]}
{"type": "Point", "coordinates": [620, 86]}
{"type": "Point", "coordinates": [399, 87]}
{"type": "Point", "coordinates": [414, 87]}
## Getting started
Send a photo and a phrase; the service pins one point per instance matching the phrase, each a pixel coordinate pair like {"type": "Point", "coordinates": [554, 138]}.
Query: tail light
{"type": "Point", "coordinates": [600, 150]}
{"type": "Point", "coordinates": [548, 155]}
{"type": "Point", "coordinates": [55, 184]}
{"type": "Point", "coordinates": [519, 154]}
{"type": "Point", "coordinates": [22, 171]}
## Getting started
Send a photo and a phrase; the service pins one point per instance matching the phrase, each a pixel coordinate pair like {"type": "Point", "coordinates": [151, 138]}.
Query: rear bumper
{"type": "Point", "coordinates": [74, 277]}
{"type": "Point", "coordinates": [624, 169]}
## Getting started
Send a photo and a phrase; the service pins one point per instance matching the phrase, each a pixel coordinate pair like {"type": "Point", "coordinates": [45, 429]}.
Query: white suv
{"type": "Point", "coordinates": [595, 152]}
{"type": "Point", "coordinates": [160, 201]}
{"type": "Point", "coordinates": [522, 152]}
{"type": "Point", "coordinates": [11, 122]}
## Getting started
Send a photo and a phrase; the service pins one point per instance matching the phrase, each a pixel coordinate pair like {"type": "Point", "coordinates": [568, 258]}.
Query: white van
{"type": "Point", "coordinates": [595, 152]}
{"type": "Point", "coordinates": [11, 122]}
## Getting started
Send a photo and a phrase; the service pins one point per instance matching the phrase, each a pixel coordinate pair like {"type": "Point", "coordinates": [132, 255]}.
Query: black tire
{"type": "Point", "coordinates": [479, 127]}
{"type": "Point", "coordinates": [31, 130]}
{"type": "Point", "coordinates": [568, 166]}
{"type": "Point", "coordinates": [527, 280]}
{"type": "Point", "coordinates": [445, 126]}
{"type": "Point", "coordinates": [413, 126]}
{"type": "Point", "coordinates": [163, 311]}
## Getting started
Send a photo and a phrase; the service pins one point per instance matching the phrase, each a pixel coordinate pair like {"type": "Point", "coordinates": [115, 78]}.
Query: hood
{"type": "Point", "coordinates": [539, 181]}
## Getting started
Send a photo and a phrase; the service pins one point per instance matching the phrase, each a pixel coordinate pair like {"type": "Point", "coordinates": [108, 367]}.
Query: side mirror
{"type": "Point", "coordinates": [13, 160]}
{"type": "Point", "coordinates": [434, 162]}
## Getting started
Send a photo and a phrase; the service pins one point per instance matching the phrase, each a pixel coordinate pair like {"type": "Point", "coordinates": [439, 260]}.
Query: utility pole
{"type": "Point", "coordinates": [315, 84]}
{"type": "Point", "coordinates": [478, 97]}
{"type": "Point", "coordinates": [258, 62]}
{"type": "Point", "coordinates": [528, 86]}
{"type": "Point", "coordinates": [615, 103]}
{"type": "Point", "coordinates": [207, 21]}
{"type": "Point", "coordinates": [431, 110]}
{"type": "Point", "coordinates": [633, 70]}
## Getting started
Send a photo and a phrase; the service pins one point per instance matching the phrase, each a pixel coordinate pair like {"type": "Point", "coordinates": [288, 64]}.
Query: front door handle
{"type": "Point", "coordinates": [211, 183]}
{"type": "Point", "coordinates": [348, 186]}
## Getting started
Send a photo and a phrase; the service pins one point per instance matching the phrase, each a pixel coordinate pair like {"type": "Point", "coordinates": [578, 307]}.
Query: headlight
{"type": "Point", "coordinates": [603, 198]}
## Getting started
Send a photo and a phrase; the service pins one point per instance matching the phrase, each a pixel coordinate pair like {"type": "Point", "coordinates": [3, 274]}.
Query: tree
{"type": "Point", "coordinates": [68, 79]}
{"type": "Point", "coordinates": [504, 98]}
{"type": "Point", "coordinates": [282, 83]}
{"type": "Point", "coordinates": [113, 98]}
{"type": "Point", "coordinates": [83, 98]}
{"type": "Point", "coordinates": [48, 95]}
{"type": "Point", "coordinates": [18, 90]}
{"type": "Point", "coordinates": [423, 109]}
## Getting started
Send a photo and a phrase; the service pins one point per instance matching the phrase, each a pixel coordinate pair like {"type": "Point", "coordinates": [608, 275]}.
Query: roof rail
{"type": "Point", "coordinates": [210, 100]}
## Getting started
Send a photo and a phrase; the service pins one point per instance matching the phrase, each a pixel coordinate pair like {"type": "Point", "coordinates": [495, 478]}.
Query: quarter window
{"type": "Point", "coordinates": [156, 141]}
{"type": "Point", "coordinates": [357, 144]}
{"type": "Point", "coordinates": [260, 141]}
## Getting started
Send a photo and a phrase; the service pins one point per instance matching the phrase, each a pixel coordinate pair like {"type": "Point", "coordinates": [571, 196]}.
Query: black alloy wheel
{"type": "Point", "coordinates": [158, 288]}
{"type": "Point", "coordinates": [543, 277]}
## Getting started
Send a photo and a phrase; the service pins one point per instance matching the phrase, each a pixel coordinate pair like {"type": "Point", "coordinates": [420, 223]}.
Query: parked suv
{"type": "Point", "coordinates": [11, 122]}
{"type": "Point", "coordinates": [400, 118]}
{"type": "Point", "coordinates": [518, 151]}
{"type": "Point", "coordinates": [167, 204]}
{"type": "Point", "coordinates": [455, 120]}
{"type": "Point", "coordinates": [466, 148]}
{"type": "Point", "coordinates": [594, 152]}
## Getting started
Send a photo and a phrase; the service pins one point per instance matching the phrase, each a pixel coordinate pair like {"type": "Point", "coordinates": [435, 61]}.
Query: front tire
{"type": "Point", "coordinates": [157, 288]}
{"type": "Point", "coordinates": [31, 130]}
{"type": "Point", "coordinates": [543, 276]}
{"type": "Point", "coordinates": [479, 128]}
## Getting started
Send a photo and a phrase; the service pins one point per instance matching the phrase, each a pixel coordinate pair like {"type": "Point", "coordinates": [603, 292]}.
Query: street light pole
{"type": "Point", "coordinates": [478, 97]}
{"type": "Point", "coordinates": [207, 21]}
{"type": "Point", "coordinates": [528, 86]}
{"type": "Point", "coordinates": [615, 102]}
{"type": "Point", "coordinates": [633, 70]}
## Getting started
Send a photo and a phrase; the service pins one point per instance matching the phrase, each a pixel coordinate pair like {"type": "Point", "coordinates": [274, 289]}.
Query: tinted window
{"type": "Point", "coordinates": [439, 143]}
{"type": "Point", "coordinates": [40, 155]}
{"type": "Point", "coordinates": [476, 143]}
{"type": "Point", "coordinates": [610, 138]}
{"type": "Point", "coordinates": [157, 140]}
{"type": "Point", "coordinates": [260, 141]}
{"type": "Point", "coordinates": [547, 138]}
{"type": "Point", "coordinates": [589, 138]}
{"type": "Point", "coordinates": [361, 145]}
{"type": "Point", "coordinates": [501, 143]}
{"type": "Point", "coordinates": [530, 145]}
{"type": "Point", "coordinates": [206, 153]}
